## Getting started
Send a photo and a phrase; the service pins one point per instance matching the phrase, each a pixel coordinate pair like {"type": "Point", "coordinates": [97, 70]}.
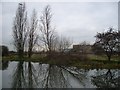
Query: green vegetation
{"type": "Point", "coordinates": [103, 57]}
{"type": "Point", "coordinates": [91, 61]}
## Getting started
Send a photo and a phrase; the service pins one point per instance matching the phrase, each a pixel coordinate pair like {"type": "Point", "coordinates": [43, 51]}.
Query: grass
{"type": "Point", "coordinates": [97, 57]}
{"type": "Point", "coordinates": [103, 57]}
{"type": "Point", "coordinates": [34, 58]}
{"type": "Point", "coordinates": [91, 62]}
{"type": "Point", "coordinates": [96, 64]}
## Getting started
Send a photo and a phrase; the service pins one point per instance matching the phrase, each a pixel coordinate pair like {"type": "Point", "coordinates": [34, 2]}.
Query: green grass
{"type": "Point", "coordinates": [103, 57]}
{"type": "Point", "coordinates": [97, 65]}
{"type": "Point", "coordinates": [15, 58]}
{"type": "Point", "coordinates": [97, 57]}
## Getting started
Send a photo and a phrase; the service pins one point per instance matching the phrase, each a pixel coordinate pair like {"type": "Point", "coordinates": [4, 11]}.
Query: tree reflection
{"type": "Point", "coordinates": [24, 76]}
{"type": "Point", "coordinates": [31, 75]}
{"type": "Point", "coordinates": [107, 80]}
{"type": "Point", "coordinates": [32, 79]}
{"type": "Point", "coordinates": [55, 76]}
{"type": "Point", "coordinates": [51, 77]}
{"type": "Point", "coordinates": [19, 76]}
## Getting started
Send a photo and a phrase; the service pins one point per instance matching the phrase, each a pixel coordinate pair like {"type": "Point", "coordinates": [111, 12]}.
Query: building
{"type": "Point", "coordinates": [85, 49]}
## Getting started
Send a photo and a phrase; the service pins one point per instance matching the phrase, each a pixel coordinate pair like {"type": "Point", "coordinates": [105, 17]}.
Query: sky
{"type": "Point", "coordinates": [78, 20]}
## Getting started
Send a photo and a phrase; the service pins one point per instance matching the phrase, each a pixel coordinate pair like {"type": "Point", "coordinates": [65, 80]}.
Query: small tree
{"type": "Point", "coordinates": [64, 43]}
{"type": "Point", "coordinates": [4, 50]}
{"type": "Point", "coordinates": [107, 41]}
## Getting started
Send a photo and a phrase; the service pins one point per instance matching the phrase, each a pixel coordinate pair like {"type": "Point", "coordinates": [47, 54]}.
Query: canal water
{"type": "Point", "coordinates": [37, 75]}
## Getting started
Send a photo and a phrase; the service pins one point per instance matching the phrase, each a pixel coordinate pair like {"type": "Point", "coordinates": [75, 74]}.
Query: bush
{"type": "Point", "coordinates": [4, 50]}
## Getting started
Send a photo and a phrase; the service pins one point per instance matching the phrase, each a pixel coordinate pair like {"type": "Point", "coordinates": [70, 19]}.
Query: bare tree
{"type": "Point", "coordinates": [64, 43]}
{"type": "Point", "coordinates": [47, 32]}
{"type": "Point", "coordinates": [54, 42]}
{"type": "Point", "coordinates": [20, 29]}
{"type": "Point", "coordinates": [108, 42]}
{"type": "Point", "coordinates": [32, 37]}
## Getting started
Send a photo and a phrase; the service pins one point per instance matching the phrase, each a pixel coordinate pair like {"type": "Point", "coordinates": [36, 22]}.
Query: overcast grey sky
{"type": "Point", "coordinates": [78, 20]}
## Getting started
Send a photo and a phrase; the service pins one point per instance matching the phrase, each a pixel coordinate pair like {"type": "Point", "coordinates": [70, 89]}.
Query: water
{"type": "Point", "coordinates": [37, 75]}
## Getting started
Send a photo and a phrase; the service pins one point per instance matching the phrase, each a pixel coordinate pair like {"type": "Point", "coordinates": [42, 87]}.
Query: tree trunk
{"type": "Point", "coordinates": [30, 75]}
{"type": "Point", "coordinates": [20, 53]}
{"type": "Point", "coordinates": [30, 53]}
{"type": "Point", "coordinates": [109, 57]}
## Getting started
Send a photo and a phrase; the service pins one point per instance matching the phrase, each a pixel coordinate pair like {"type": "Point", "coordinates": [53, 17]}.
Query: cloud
{"type": "Point", "coordinates": [88, 18]}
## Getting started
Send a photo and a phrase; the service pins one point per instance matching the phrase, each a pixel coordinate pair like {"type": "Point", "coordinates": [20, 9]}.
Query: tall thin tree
{"type": "Point", "coordinates": [32, 37]}
{"type": "Point", "coordinates": [47, 32]}
{"type": "Point", "coordinates": [20, 29]}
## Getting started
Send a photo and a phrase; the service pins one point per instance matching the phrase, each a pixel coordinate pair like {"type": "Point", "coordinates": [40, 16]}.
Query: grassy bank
{"type": "Point", "coordinates": [89, 62]}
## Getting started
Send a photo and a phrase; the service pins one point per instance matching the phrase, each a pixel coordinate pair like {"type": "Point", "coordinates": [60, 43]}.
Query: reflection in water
{"type": "Point", "coordinates": [46, 76]}
{"type": "Point", "coordinates": [36, 75]}
{"type": "Point", "coordinates": [107, 79]}
{"type": "Point", "coordinates": [52, 77]}
{"type": "Point", "coordinates": [19, 76]}
{"type": "Point", "coordinates": [24, 77]}
{"type": "Point", "coordinates": [57, 77]}
{"type": "Point", "coordinates": [32, 79]}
